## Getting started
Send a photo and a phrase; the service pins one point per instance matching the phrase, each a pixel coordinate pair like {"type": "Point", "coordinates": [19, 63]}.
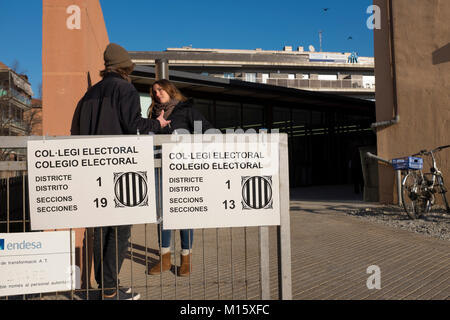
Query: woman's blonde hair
{"type": "Point", "coordinates": [171, 90]}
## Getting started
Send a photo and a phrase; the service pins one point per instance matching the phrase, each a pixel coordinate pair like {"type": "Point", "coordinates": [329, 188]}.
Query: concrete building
{"type": "Point", "coordinates": [15, 101]}
{"type": "Point", "coordinates": [322, 140]}
{"type": "Point", "coordinates": [33, 118]}
{"type": "Point", "coordinates": [325, 130]}
{"type": "Point", "coordinates": [412, 51]}
{"type": "Point", "coordinates": [340, 73]}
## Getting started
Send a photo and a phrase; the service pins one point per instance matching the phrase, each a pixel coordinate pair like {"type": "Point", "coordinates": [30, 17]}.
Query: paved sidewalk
{"type": "Point", "coordinates": [331, 252]}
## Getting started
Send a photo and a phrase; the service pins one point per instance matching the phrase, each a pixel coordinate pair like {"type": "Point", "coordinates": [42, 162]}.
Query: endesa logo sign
{"type": "Point", "coordinates": [24, 245]}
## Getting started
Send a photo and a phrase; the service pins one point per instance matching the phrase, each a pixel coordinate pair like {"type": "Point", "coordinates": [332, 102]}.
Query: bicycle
{"type": "Point", "coordinates": [418, 188]}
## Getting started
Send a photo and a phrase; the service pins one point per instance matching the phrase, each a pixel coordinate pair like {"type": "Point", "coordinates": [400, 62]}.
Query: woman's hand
{"type": "Point", "coordinates": [163, 122]}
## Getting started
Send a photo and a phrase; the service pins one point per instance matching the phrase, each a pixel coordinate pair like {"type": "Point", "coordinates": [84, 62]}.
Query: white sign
{"type": "Point", "coordinates": [327, 57]}
{"type": "Point", "coordinates": [36, 262]}
{"type": "Point", "coordinates": [77, 183]}
{"type": "Point", "coordinates": [214, 185]}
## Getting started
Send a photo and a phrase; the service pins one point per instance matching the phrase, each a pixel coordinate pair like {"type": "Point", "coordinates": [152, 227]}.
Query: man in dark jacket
{"type": "Point", "coordinates": [112, 107]}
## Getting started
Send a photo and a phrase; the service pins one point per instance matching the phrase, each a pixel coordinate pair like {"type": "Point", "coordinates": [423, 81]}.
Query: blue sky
{"type": "Point", "coordinates": [156, 25]}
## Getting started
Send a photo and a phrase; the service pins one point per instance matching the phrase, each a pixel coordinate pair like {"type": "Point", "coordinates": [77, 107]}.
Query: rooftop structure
{"type": "Point", "coordinates": [340, 73]}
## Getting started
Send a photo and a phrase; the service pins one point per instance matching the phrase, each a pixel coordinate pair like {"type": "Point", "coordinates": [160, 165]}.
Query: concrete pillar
{"type": "Point", "coordinates": [73, 41]}
{"type": "Point", "coordinates": [74, 38]}
{"type": "Point", "coordinates": [161, 69]}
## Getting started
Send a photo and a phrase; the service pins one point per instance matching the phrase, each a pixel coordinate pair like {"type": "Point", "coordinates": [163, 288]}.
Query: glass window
{"type": "Point", "coordinates": [146, 101]}
{"type": "Point", "coordinates": [281, 119]}
{"type": "Point", "coordinates": [327, 76]}
{"type": "Point", "coordinates": [317, 118]}
{"type": "Point", "coordinates": [250, 77]}
{"type": "Point", "coordinates": [265, 77]}
{"type": "Point", "coordinates": [205, 107]}
{"type": "Point", "coordinates": [253, 117]}
{"type": "Point", "coordinates": [300, 122]}
{"type": "Point", "coordinates": [368, 81]}
{"type": "Point", "coordinates": [291, 76]}
{"type": "Point", "coordinates": [301, 118]}
{"type": "Point", "coordinates": [228, 75]}
{"type": "Point", "coordinates": [228, 115]}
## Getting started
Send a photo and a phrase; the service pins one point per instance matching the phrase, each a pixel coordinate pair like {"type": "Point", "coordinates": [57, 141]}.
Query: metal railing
{"type": "Point", "coordinates": [20, 97]}
{"type": "Point", "coordinates": [398, 178]}
{"type": "Point", "coordinates": [312, 84]}
{"type": "Point", "coordinates": [228, 263]}
{"type": "Point", "coordinates": [18, 124]}
{"type": "Point", "coordinates": [3, 92]}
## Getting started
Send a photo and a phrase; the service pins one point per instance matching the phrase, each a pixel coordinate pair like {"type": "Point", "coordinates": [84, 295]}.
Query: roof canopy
{"type": "Point", "coordinates": [143, 77]}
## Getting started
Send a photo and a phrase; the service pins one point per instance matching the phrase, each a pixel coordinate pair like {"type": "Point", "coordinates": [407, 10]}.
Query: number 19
{"type": "Point", "coordinates": [103, 202]}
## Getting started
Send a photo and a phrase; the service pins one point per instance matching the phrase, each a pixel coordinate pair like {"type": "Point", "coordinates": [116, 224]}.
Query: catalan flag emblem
{"type": "Point", "coordinates": [130, 189]}
{"type": "Point", "coordinates": [257, 192]}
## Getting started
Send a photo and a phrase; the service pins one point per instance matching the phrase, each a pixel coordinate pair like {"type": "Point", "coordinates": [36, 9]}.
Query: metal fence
{"type": "Point", "coordinates": [245, 263]}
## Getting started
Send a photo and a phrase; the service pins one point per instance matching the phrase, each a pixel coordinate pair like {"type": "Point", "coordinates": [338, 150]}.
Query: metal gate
{"type": "Point", "coordinates": [245, 263]}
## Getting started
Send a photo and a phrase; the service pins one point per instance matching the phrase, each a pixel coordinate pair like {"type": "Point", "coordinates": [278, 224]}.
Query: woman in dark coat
{"type": "Point", "coordinates": [181, 114]}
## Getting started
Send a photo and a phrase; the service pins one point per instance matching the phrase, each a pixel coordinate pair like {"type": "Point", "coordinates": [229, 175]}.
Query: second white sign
{"type": "Point", "coordinates": [214, 185]}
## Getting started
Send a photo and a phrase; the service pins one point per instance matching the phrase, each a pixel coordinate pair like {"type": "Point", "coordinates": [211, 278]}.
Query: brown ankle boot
{"type": "Point", "coordinates": [186, 267]}
{"type": "Point", "coordinates": [166, 265]}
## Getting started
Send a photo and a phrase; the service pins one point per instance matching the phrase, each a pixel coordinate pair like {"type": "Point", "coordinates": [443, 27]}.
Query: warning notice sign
{"type": "Point", "coordinates": [37, 262]}
{"type": "Point", "coordinates": [212, 185]}
{"type": "Point", "coordinates": [75, 183]}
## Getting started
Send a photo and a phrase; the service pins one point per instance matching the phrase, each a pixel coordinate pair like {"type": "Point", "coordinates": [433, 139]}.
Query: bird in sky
{"type": "Point", "coordinates": [350, 38]}
{"type": "Point", "coordinates": [325, 9]}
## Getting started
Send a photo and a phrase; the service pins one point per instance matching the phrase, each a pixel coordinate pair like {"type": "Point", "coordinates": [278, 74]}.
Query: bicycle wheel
{"type": "Point", "coordinates": [413, 201]}
{"type": "Point", "coordinates": [443, 191]}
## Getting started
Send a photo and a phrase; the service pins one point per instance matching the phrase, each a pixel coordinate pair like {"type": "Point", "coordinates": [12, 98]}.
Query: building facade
{"type": "Point", "coordinates": [322, 140]}
{"type": "Point", "coordinates": [412, 51]}
{"type": "Point", "coordinates": [33, 118]}
{"type": "Point", "coordinates": [324, 130]}
{"type": "Point", "coordinates": [339, 73]}
{"type": "Point", "coordinates": [15, 101]}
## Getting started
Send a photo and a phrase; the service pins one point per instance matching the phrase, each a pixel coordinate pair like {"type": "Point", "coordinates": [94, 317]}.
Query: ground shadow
{"type": "Point", "coordinates": [442, 55]}
{"type": "Point", "coordinates": [324, 209]}
{"type": "Point", "coordinates": [149, 255]}
{"type": "Point", "coordinates": [397, 213]}
{"type": "Point", "coordinates": [146, 260]}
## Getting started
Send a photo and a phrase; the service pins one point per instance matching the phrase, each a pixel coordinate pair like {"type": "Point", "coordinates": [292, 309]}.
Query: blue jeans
{"type": "Point", "coordinates": [186, 235]}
